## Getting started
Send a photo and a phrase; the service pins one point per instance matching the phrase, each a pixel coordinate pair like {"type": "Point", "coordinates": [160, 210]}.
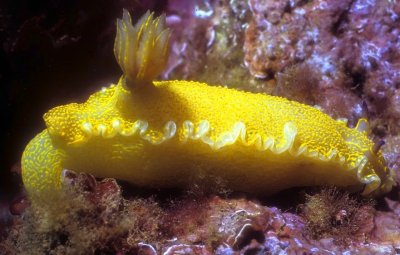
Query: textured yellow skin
{"type": "Point", "coordinates": [257, 143]}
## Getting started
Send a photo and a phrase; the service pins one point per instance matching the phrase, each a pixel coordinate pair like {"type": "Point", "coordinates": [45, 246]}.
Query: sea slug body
{"type": "Point", "coordinates": [162, 133]}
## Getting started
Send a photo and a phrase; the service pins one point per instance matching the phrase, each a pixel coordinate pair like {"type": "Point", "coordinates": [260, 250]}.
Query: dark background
{"type": "Point", "coordinates": [52, 52]}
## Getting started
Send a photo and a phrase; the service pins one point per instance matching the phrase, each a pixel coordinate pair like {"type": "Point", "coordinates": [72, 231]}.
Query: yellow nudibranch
{"type": "Point", "coordinates": [164, 133]}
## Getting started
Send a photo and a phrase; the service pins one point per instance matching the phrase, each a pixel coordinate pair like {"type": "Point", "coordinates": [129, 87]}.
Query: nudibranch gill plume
{"type": "Point", "coordinates": [162, 133]}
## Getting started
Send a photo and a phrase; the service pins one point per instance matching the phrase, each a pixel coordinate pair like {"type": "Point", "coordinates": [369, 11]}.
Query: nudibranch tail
{"type": "Point", "coordinates": [142, 50]}
{"type": "Point", "coordinates": [41, 165]}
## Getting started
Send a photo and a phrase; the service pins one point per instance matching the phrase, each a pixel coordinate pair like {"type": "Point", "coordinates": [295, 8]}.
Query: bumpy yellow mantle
{"type": "Point", "coordinates": [163, 133]}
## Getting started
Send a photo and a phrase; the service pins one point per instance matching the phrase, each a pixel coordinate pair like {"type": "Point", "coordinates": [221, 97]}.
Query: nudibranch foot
{"type": "Point", "coordinates": [41, 165]}
{"type": "Point", "coordinates": [164, 133]}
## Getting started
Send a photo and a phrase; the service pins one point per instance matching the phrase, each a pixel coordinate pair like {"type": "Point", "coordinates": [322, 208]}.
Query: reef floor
{"type": "Point", "coordinates": [102, 216]}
